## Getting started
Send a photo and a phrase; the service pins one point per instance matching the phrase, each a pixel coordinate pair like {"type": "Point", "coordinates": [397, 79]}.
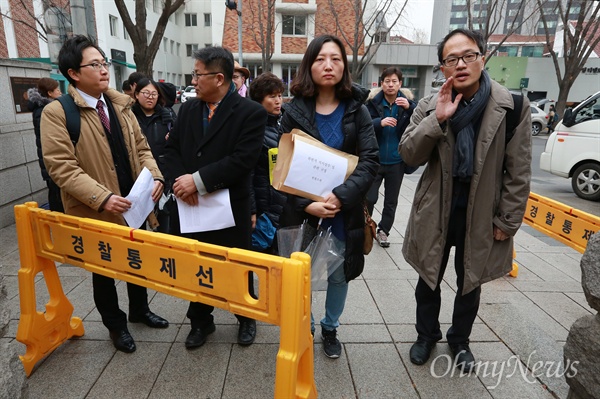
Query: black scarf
{"type": "Point", "coordinates": [462, 124]}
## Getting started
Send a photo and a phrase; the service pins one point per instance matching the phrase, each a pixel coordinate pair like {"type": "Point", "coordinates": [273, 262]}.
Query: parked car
{"type": "Point", "coordinates": [189, 92]}
{"type": "Point", "coordinates": [180, 90]}
{"type": "Point", "coordinates": [539, 120]}
{"type": "Point", "coordinates": [573, 149]}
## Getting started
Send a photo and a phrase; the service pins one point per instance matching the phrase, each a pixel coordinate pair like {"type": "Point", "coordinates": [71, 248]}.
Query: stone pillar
{"type": "Point", "coordinates": [12, 375]}
{"type": "Point", "coordinates": [583, 342]}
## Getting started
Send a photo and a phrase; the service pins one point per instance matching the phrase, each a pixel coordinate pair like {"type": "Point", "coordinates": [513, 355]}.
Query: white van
{"type": "Point", "coordinates": [573, 149]}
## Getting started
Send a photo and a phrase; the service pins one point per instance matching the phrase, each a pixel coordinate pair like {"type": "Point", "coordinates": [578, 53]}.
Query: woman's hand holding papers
{"type": "Point", "coordinates": [326, 209]}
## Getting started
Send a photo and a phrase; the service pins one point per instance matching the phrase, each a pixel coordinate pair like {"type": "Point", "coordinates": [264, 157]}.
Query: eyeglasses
{"type": "Point", "coordinates": [467, 59]}
{"type": "Point", "coordinates": [197, 75]}
{"type": "Point", "coordinates": [148, 94]}
{"type": "Point", "coordinates": [97, 65]}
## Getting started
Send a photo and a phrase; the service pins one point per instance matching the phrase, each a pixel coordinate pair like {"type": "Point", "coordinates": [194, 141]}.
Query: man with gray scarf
{"type": "Point", "coordinates": [472, 194]}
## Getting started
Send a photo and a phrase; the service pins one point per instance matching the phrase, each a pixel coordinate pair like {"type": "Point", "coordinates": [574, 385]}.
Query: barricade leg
{"type": "Point", "coordinates": [295, 359]}
{"type": "Point", "coordinates": [515, 267]}
{"type": "Point", "coordinates": [41, 332]}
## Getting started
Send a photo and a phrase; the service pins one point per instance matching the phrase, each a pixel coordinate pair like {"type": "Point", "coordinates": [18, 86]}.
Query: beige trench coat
{"type": "Point", "coordinates": [496, 197]}
{"type": "Point", "coordinates": [86, 172]}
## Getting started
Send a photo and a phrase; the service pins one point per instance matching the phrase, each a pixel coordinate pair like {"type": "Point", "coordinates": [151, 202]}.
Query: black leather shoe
{"type": "Point", "coordinates": [197, 336]}
{"type": "Point", "coordinates": [463, 357]}
{"type": "Point", "coordinates": [150, 319]}
{"type": "Point", "coordinates": [420, 351]}
{"type": "Point", "coordinates": [123, 341]}
{"type": "Point", "coordinates": [247, 332]}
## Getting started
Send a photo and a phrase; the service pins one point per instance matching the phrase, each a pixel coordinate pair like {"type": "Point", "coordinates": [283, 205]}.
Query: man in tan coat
{"type": "Point", "coordinates": [472, 194]}
{"type": "Point", "coordinates": [96, 172]}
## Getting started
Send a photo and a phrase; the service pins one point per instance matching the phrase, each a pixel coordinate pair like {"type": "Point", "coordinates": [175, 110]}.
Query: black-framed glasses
{"type": "Point", "coordinates": [467, 59]}
{"type": "Point", "coordinates": [196, 75]}
{"type": "Point", "coordinates": [98, 65]}
{"type": "Point", "coordinates": [148, 94]}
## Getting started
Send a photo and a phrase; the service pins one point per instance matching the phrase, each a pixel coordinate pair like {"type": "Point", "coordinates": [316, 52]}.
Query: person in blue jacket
{"type": "Point", "coordinates": [390, 110]}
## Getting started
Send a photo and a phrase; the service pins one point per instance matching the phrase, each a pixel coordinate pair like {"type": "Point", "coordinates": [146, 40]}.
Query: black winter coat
{"type": "Point", "coordinates": [36, 105]}
{"type": "Point", "coordinates": [156, 128]}
{"type": "Point", "coordinates": [359, 139]}
{"type": "Point", "coordinates": [267, 199]}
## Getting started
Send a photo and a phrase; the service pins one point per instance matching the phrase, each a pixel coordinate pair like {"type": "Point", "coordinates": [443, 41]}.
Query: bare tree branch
{"type": "Point", "coordinates": [38, 24]}
{"type": "Point", "coordinates": [363, 36]}
{"type": "Point", "coordinates": [144, 53]}
{"type": "Point", "coordinates": [580, 37]}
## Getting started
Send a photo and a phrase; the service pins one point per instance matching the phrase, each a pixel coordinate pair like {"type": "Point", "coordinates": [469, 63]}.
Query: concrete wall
{"type": "Point", "coordinates": [20, 177]}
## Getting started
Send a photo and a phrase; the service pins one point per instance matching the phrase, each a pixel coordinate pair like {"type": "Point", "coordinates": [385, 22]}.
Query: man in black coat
{"type": "Point", "coordinates": [215, 145]}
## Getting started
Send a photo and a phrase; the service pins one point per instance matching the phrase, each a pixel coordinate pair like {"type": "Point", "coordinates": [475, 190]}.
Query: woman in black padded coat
{"type": "Point", "coordinates": [47, 91]}
{"type": "Point", "coordinates": [267, 89]}
{"type": "Point", "coordinates": [156, 121]}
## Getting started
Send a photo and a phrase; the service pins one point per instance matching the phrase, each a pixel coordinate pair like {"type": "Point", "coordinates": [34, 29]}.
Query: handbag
{"type": "Point", "coordinates": [370, 231]}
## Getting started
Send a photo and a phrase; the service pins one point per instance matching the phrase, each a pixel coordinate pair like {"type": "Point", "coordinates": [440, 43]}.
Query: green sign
{"type": "Point", "coordinates": [524, 83]}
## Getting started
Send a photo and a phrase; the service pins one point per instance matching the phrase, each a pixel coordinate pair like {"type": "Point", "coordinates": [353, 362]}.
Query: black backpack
{"type": "Point", "coordinates": [512, 117]}
{"type": "Point", "coordinates": [72, 116]}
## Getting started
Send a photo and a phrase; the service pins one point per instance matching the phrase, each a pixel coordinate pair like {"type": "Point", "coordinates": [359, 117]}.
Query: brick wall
{"type": "Point", "coordinates": [324, 23]}
{"type": "Point", "coordinates": [3, 45]}
{"type": "Point", "coordinates": [27, 44]}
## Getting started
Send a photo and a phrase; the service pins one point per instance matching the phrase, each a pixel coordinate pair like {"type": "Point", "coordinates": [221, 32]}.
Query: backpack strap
{"type": "Point", "coordinates": [72, 116]}
{"type": "Point", "coordinates": [512, 117]}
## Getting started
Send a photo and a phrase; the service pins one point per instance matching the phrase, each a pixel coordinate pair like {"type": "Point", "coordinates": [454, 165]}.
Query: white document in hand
{"type": "Point", "coordinates": [141, 200]}
{"type": "Point", "coordinates": [213, 212]}
{"type": "Point", "coordinates": [315, 170]}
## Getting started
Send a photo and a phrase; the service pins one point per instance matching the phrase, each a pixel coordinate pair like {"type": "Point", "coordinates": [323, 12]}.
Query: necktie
{"type": "Point", "coordinates": [102, 115]}
{"type": "Point", "coordinates": [211, 109]}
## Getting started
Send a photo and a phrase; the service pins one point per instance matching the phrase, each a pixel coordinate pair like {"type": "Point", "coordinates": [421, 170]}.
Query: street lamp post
{"type": "Point", "coordinates": [233, 5]}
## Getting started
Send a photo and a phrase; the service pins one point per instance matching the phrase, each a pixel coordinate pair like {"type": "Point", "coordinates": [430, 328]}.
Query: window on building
{"type": "Point", "coordinates": [511, 51]}
{"type": "Point", "coordinates": [380, 37]}
{"type": "Point", "coordinates": [207, 45]}
{"type": "Point", "coordinates": [178, 49]}
{"type": "Point", "coordinates": [113, 22]}
{"type": "Point", "coordinates": [551, 27]}
{"type": "Point", "coordinates": [125, 33]}
{"type": "Point", "coordinates": [294, 25]}
{"type": "Point", "coordinates": [191, 20]}
{"type": "Point", "coordinates": [157, 6]}
{"type": "Point", "coordinates": [190, 48]}
{"type": "Point", "coordinates": [288, 72]}
{"type": "Point", "coordinates": [532, 51]}
{"type": "Point", "coordinates": [207, 19]}
{"type": "Point", "coordinates": [165, 42]}
{"type": "Point", "coordinates": [172, 46]}
{"type": "Point", "coordinates": [256, 69]}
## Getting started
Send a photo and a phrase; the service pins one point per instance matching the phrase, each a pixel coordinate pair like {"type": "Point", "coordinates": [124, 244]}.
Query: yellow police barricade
{"type": "Point", "coordinates": [181, 267]}
{"type": "Point", "coordinates": [561, 222]}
